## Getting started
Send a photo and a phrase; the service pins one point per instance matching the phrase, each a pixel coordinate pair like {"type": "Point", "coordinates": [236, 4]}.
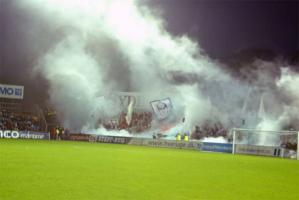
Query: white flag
{"type": "Point", "coordinates": [262, 112]}
{"type": "Point", "coordinates": [162, 108]}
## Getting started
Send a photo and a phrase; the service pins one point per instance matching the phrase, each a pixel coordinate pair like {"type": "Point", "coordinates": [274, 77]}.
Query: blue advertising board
{"type": "Point", "coordinates": [34, 135]}
{"type": "Point", "coordinates": [217, 147]}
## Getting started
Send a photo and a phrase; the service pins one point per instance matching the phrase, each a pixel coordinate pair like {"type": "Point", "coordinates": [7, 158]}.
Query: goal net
{"type": "Point", "coordinates": [266, 143]}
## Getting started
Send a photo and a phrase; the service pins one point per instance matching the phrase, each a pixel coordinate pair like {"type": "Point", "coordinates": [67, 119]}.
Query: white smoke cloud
{"type": "Point", "coordinates": [120, 45]}
{"type": "Point", "coordinates": [78, 74]}
{"type": "Point", "coordinates": [103, 131]}
{"type": "Point", "coordinates": [215, 140]}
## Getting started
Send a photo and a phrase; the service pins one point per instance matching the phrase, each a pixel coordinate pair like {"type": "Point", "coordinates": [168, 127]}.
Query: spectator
{"type": "Point", "coordinates": [57, 133]}
{"type": "Point", "coordinates": [18, 121]}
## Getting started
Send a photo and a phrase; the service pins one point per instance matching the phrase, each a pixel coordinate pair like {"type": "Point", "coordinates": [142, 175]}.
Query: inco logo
{"type": "Point", "coordinates": [9, 134]}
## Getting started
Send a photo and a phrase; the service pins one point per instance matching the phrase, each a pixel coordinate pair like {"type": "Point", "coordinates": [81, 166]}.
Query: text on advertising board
{"type": "Point", "coordinates": [9, 134]}
{"type": "Point", "coordinates": [217, 147]}
{"type": "Point", "coordinates": [11, 91]}
{"type": "Point", "coordinates": [12, 134]}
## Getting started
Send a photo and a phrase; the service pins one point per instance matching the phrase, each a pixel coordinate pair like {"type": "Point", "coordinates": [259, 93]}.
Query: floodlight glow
{"type": "Point", "coordinates": [123, 18]}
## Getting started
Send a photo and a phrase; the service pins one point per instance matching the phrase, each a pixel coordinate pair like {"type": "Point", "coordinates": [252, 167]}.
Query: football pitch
{"type": "Point", "coordinates": [61, 170]}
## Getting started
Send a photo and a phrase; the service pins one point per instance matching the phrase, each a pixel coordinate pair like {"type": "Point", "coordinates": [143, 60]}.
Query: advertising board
{"type": "Point", "coordinates": [113, 139]}
{"type": "Point", "coordinates": [11, 91]}
{"type": "Point", "coordinates": [258, 150]}
{"type": "Point", "coordinates": [11, 134]}
{"type": "Point", "coordinates": [77, 137]}
{"type": "Point", "coordinates": [217, 147]}
{"type": "Point", "coordinates": [166, 143]}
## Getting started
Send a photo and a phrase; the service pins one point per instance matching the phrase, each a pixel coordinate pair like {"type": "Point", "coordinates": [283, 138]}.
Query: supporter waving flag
{"type": "Point", "coordinates": [162, 108]}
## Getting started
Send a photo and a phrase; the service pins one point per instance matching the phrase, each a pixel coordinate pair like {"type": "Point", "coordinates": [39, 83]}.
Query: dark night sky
{"type": "Point", "coordinates": [223, 27]}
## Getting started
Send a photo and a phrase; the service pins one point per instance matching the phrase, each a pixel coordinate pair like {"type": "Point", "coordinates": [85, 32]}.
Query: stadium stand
{"type": "Point", "coordinates": [140, 122]}
{"type": "Point", "coordinates": [210, 130]}
{"type": "Point", "coordinates": [19, 121]}
{"type": "Point", "coordinates": [17, 115]}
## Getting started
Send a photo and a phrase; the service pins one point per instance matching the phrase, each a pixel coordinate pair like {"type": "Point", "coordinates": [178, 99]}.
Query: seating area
{"type": "Point", "coordinates": [209, 130]}
{"type": "Point", "coordinates": [140, 122]}
{"type": "Point", "coordinates": [19, 121]}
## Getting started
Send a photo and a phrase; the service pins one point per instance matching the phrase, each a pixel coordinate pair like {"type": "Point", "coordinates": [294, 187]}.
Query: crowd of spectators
{"type": "Point", "coordinates": [140, 122]}
{"type": "Point", "coordinates": [18, 121]}
{"type": "Point", "coordinates": [209, 130]}
{"type": "Point", "coordinates": [109, 124]}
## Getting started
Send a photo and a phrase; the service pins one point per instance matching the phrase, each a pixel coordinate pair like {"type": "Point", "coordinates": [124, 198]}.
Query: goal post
{"type": "Point", "coordinates": [265, 142]}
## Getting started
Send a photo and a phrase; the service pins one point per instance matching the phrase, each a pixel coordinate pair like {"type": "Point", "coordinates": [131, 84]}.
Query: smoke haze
{"type": "Point", "coordinates": [91, 48]}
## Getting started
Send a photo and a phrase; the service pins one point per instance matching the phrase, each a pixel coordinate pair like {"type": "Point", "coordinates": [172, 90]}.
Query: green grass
{"type": "Point", "coordinates": [90, 171]}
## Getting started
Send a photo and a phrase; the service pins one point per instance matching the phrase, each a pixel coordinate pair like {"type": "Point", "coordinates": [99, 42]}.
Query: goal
{"type": "Point", "coordinates": [265, 143]}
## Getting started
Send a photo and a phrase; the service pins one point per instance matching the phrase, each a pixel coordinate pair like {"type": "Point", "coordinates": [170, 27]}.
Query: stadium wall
{"type": "Point", "coordinates": [78, 137]}
{"type": "Point", "coordinates": [198, 145]}
{"type": "Point", "coordinates": [112, 139]}
{"type": "Point", "coordinates": [166, 143]}
{"type": "Point", "coordinates": [134, 141]}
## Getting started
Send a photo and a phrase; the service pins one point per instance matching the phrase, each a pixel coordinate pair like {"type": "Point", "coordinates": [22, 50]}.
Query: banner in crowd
{"type": "Point", "coordinates": [11, 91]}
{"type": "Point", "coordinates": [9, 134]}
{"type": "Point", "coordinates": [217, 147]}
{"type": "Point", "coordinates": [162, 108]}
{"type": "Point", "coordinates": [258, 150]}
{"type": "Point", "coordinates": [166, 143]}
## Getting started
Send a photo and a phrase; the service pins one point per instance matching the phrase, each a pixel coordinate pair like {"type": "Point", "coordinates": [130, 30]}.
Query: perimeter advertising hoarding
{"type": "Point", "coordinates": [113, 139]}
{"type": "Point", "coordinates": [10, 134]}
{"type": "Point", "coordinates": [166, 143]}
{"type": "Point", "coordinates": [77, 137]}
{"type": "Point", "coordinates": [11, 91]}
{"type": "Point", "coordinates": [217, 147]}
{"type": "Point", "coordinates": [258, 150]}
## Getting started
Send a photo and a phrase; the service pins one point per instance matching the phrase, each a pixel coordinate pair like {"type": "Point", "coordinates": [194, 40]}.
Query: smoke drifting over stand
{"type": "Point", "coordinates": [99, 47]}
